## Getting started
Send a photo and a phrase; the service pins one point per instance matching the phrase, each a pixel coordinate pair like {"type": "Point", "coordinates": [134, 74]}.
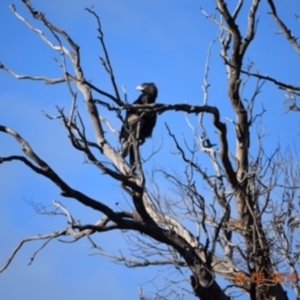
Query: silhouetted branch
{"type": "Point", "coordinates": [47, 80]}
{"type": "Point", "coordinates": [286, 31]}
{"type": "Point", "coordinates": [47, 237]}
{"type": "Point", "coordinates": [106, 62]}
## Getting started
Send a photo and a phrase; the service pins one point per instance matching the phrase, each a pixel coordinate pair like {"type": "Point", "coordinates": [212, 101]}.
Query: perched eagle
{"type": "Point", "coordinates": [138, 124]}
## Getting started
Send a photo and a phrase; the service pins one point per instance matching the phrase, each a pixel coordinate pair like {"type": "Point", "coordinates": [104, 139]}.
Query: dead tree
{"type": "Point", "coordinates": [234, 221]}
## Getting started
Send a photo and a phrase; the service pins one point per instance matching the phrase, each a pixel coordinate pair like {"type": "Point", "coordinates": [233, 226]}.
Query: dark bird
{"type": "Point", "coordinates": [138, 125]}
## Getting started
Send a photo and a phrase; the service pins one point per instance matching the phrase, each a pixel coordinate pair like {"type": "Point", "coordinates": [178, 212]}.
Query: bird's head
{"type": "Point", "coordinates": [147, 88]}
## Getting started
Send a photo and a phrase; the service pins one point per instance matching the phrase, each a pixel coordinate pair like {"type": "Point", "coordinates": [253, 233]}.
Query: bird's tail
{"type": "Point", "coordinates": [131, 155]}
{"type": "Point", "coordinates": [125, 148]}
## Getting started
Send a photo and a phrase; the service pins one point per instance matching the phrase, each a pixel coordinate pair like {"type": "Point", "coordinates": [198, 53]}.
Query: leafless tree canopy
{"type": "Point", "coordinates": [244, 234]}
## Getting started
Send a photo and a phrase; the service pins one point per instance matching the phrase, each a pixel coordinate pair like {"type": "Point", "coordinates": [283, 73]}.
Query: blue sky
{"type": "Point", "coordinates": [161, 41]}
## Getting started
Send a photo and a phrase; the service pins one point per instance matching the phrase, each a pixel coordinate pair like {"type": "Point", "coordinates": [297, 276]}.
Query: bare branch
{"type": "Point", "coordinates": [45, 170]}
{"type": "Point", "coordinates": [286, 31]}
{"type": "Point", "coordinates": [39, 16]}
{"type": "Point", "coordinates": [132, 263]}
{"type": "Point", "coordinates": [106, 62]}
{"type": "Point", "coordinates": [282, 85]}
{"type": "Point", "coordinates": [47, 80]}
{"type": "Point", "coordinates": [48, 237]}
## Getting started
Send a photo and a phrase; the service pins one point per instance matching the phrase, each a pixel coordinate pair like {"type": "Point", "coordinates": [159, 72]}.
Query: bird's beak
{"type": "Point", "coordinates": [139, 88]}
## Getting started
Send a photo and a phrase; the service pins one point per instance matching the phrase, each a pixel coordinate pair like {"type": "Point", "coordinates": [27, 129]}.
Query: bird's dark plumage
{"type": "Point", "coordinates": [138, 125]}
